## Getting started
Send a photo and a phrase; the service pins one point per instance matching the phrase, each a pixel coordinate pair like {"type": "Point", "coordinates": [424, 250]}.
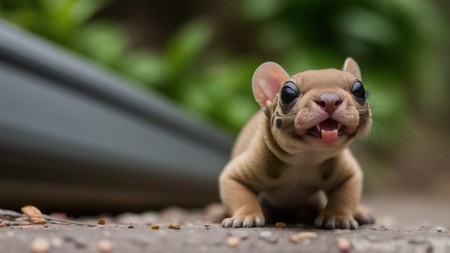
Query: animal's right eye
{"type": "Point", "coordinates": [289, 93]}
{"type": "Point", "coordinates": [358, 90]}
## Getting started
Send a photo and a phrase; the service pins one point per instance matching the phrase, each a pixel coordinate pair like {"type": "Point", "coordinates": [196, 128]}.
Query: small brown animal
{"type": "Point", "coordinates": [291, 160]}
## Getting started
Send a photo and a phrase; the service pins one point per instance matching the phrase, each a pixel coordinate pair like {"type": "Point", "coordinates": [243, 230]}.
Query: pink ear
{"type": "Point", "coordinates": [352, 67]}
{"type": "Point", "coordinates": [267, 81]}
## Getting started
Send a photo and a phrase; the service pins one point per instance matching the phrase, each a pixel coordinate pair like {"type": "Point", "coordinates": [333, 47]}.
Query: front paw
{"type": "Point", "coordinates": [329, 220]}
{"type": "Point", "coordinates": [363, 215]}
{"type": "Point", "coordinates": [244, 221]}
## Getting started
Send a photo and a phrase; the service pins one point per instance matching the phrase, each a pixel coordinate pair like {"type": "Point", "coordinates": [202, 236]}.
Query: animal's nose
{"type": "Point", "coordinates": [329, 102]}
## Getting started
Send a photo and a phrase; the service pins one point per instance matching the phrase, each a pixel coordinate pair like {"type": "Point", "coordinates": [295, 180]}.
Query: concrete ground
{"type": "Point", "coordinates": [405, 224]}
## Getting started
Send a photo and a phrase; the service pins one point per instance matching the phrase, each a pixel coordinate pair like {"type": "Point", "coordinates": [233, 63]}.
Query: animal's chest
{"type": "Point", "coordinates": [294, 187]}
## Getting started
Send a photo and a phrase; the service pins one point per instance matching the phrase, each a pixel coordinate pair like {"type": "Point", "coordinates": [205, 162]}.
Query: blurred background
{"type": "Point", "coordinates": [201, 55]}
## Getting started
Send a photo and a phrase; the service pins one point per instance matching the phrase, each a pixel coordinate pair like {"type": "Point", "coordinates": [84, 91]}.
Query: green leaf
{"type": "Point", "coordinates": [104, 42]}
{"type": "Point", "coordinates": [146, 67]}
{"type": "Point", "coordinates": [361, 24]}
{"type": "Point", "coordinates": [188, 43]}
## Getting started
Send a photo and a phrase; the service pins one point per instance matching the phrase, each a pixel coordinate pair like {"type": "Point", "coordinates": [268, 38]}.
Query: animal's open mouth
{"type": "Point", "coordinates": [328, 130]}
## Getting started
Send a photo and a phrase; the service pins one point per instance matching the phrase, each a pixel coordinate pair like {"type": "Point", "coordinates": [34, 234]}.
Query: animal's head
{"type": "Point", "coordinates": [317, 108]}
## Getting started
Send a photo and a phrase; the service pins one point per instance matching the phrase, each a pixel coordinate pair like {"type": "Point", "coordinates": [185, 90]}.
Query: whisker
{"type": "Point", "coordinates": [377, 133]}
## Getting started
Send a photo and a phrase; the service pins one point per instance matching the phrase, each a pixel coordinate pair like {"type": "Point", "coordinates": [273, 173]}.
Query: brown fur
{"type": "Point", "coordinates": [276, 166]}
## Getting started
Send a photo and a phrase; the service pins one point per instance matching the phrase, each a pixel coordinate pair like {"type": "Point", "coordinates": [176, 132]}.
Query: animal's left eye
{"type": "Point", "coordinates": [358, 90]}
{"type": "Point", "coordinates": [289, 93]}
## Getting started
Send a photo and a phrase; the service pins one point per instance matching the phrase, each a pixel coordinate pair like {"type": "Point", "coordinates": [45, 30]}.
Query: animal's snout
{"type": "Point", "coordinates": [329, 102]}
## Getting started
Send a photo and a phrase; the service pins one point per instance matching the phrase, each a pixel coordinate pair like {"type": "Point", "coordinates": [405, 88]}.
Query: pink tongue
{"type": "Point", "coordinates": [328, 130]}
{"type": "Point", "coordinates": [329, 136]}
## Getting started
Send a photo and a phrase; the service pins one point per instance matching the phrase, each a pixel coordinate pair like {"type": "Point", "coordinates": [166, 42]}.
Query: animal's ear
{"type": "Point", "coordinates": [352, 67]}
{"type": "Point", "coordinates": [267, 81]}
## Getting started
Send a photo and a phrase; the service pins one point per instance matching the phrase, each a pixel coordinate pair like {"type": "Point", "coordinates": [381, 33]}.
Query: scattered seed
{"type": "Point", "coordinates": [105, 246]}
{"type": "Point", "coordinates": [300, 237]}
{"type": "Point", "coordinates": [34, 214]}
{"type": "Point", "coordinates": [31, 211]}
{"type": "Point", "coordinates": [101, 222]}
{"type": "Point", "coordinates": [343, 244]}
{"type": "Point", "coordinates": [307, 235]}
{"type": "Point", "coordinates": [155, 227]}
{"type": "Point", "coordinates": [233, 241]}
{"type": "Point", "coordinates": [280, 225]}
{"type": "Point", "coordinates": [40, 245]}
{"type": "Point", "coordinates": [295, 238]}
{"type": "Point", "coordinates": [174, 226]}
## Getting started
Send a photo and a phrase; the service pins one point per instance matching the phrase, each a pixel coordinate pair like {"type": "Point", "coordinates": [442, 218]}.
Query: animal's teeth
{"type": "Point", "coordinates": [339, 125]}
{"type": "Point", "coordinates": [318, 128]}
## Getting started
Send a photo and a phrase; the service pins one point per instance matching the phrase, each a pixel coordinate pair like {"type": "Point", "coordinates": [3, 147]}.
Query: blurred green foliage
{"type": "Point", "coordinates": [398, 44]}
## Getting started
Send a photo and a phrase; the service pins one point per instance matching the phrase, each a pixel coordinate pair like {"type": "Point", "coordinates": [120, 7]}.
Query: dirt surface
{"type": "Point", "coordinates": [198, 238]}
{"type": "Point", "coordinates": [401, 228]}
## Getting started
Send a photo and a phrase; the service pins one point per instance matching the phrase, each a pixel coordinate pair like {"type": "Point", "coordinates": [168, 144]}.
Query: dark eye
{"type": "Point", "coordinates": [358, 90]}
{"type": "Point", "coordinates": [289, 92]}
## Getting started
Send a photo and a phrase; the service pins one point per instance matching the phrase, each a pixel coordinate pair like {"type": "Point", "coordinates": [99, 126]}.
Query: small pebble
{"type": "Point", "coordinates": [56, 242]}
{"type": "Point", "coordinates": [22, 218]}
{"type": "Point", "coordinates": [440, 229]}
{"type": "Point", "coordinates": [300, 225]}
{"type": "Point", "coordinates": [233, 241]}
{"type": "Point", "coordinates": [101, 222]}
{"type": "Point", "coordinates": [130, 226]}
{"type": "Point", "coordinates": [107, 233]}
{"type": "Point", "coordinates": [265, 234]}
{"type": "Point", "coordinates": [280, 225]}
{"type": "Point", "coordinates": [343, 244]}
{"type": "Point", "coordinates": [128, 218]}
{"type": "Point", "coordinates": [40, 245]}
{"type": "Point", "coordinates": [174, 226]}
{"type": "Point", "coordinates": [155, 227]}
{"type": "Point", "coordinates": [268, 237]}
{"type": "Point", "coordinates": [105, 246]}
{"type": "Point", "coordinates": [60, 216]}
{"type": "Point", "coordinates": [239, 233]}
{"type": "Point", "coordinates": [149, 217]}
{"type": "Point", "coordinates": [425, 225]}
